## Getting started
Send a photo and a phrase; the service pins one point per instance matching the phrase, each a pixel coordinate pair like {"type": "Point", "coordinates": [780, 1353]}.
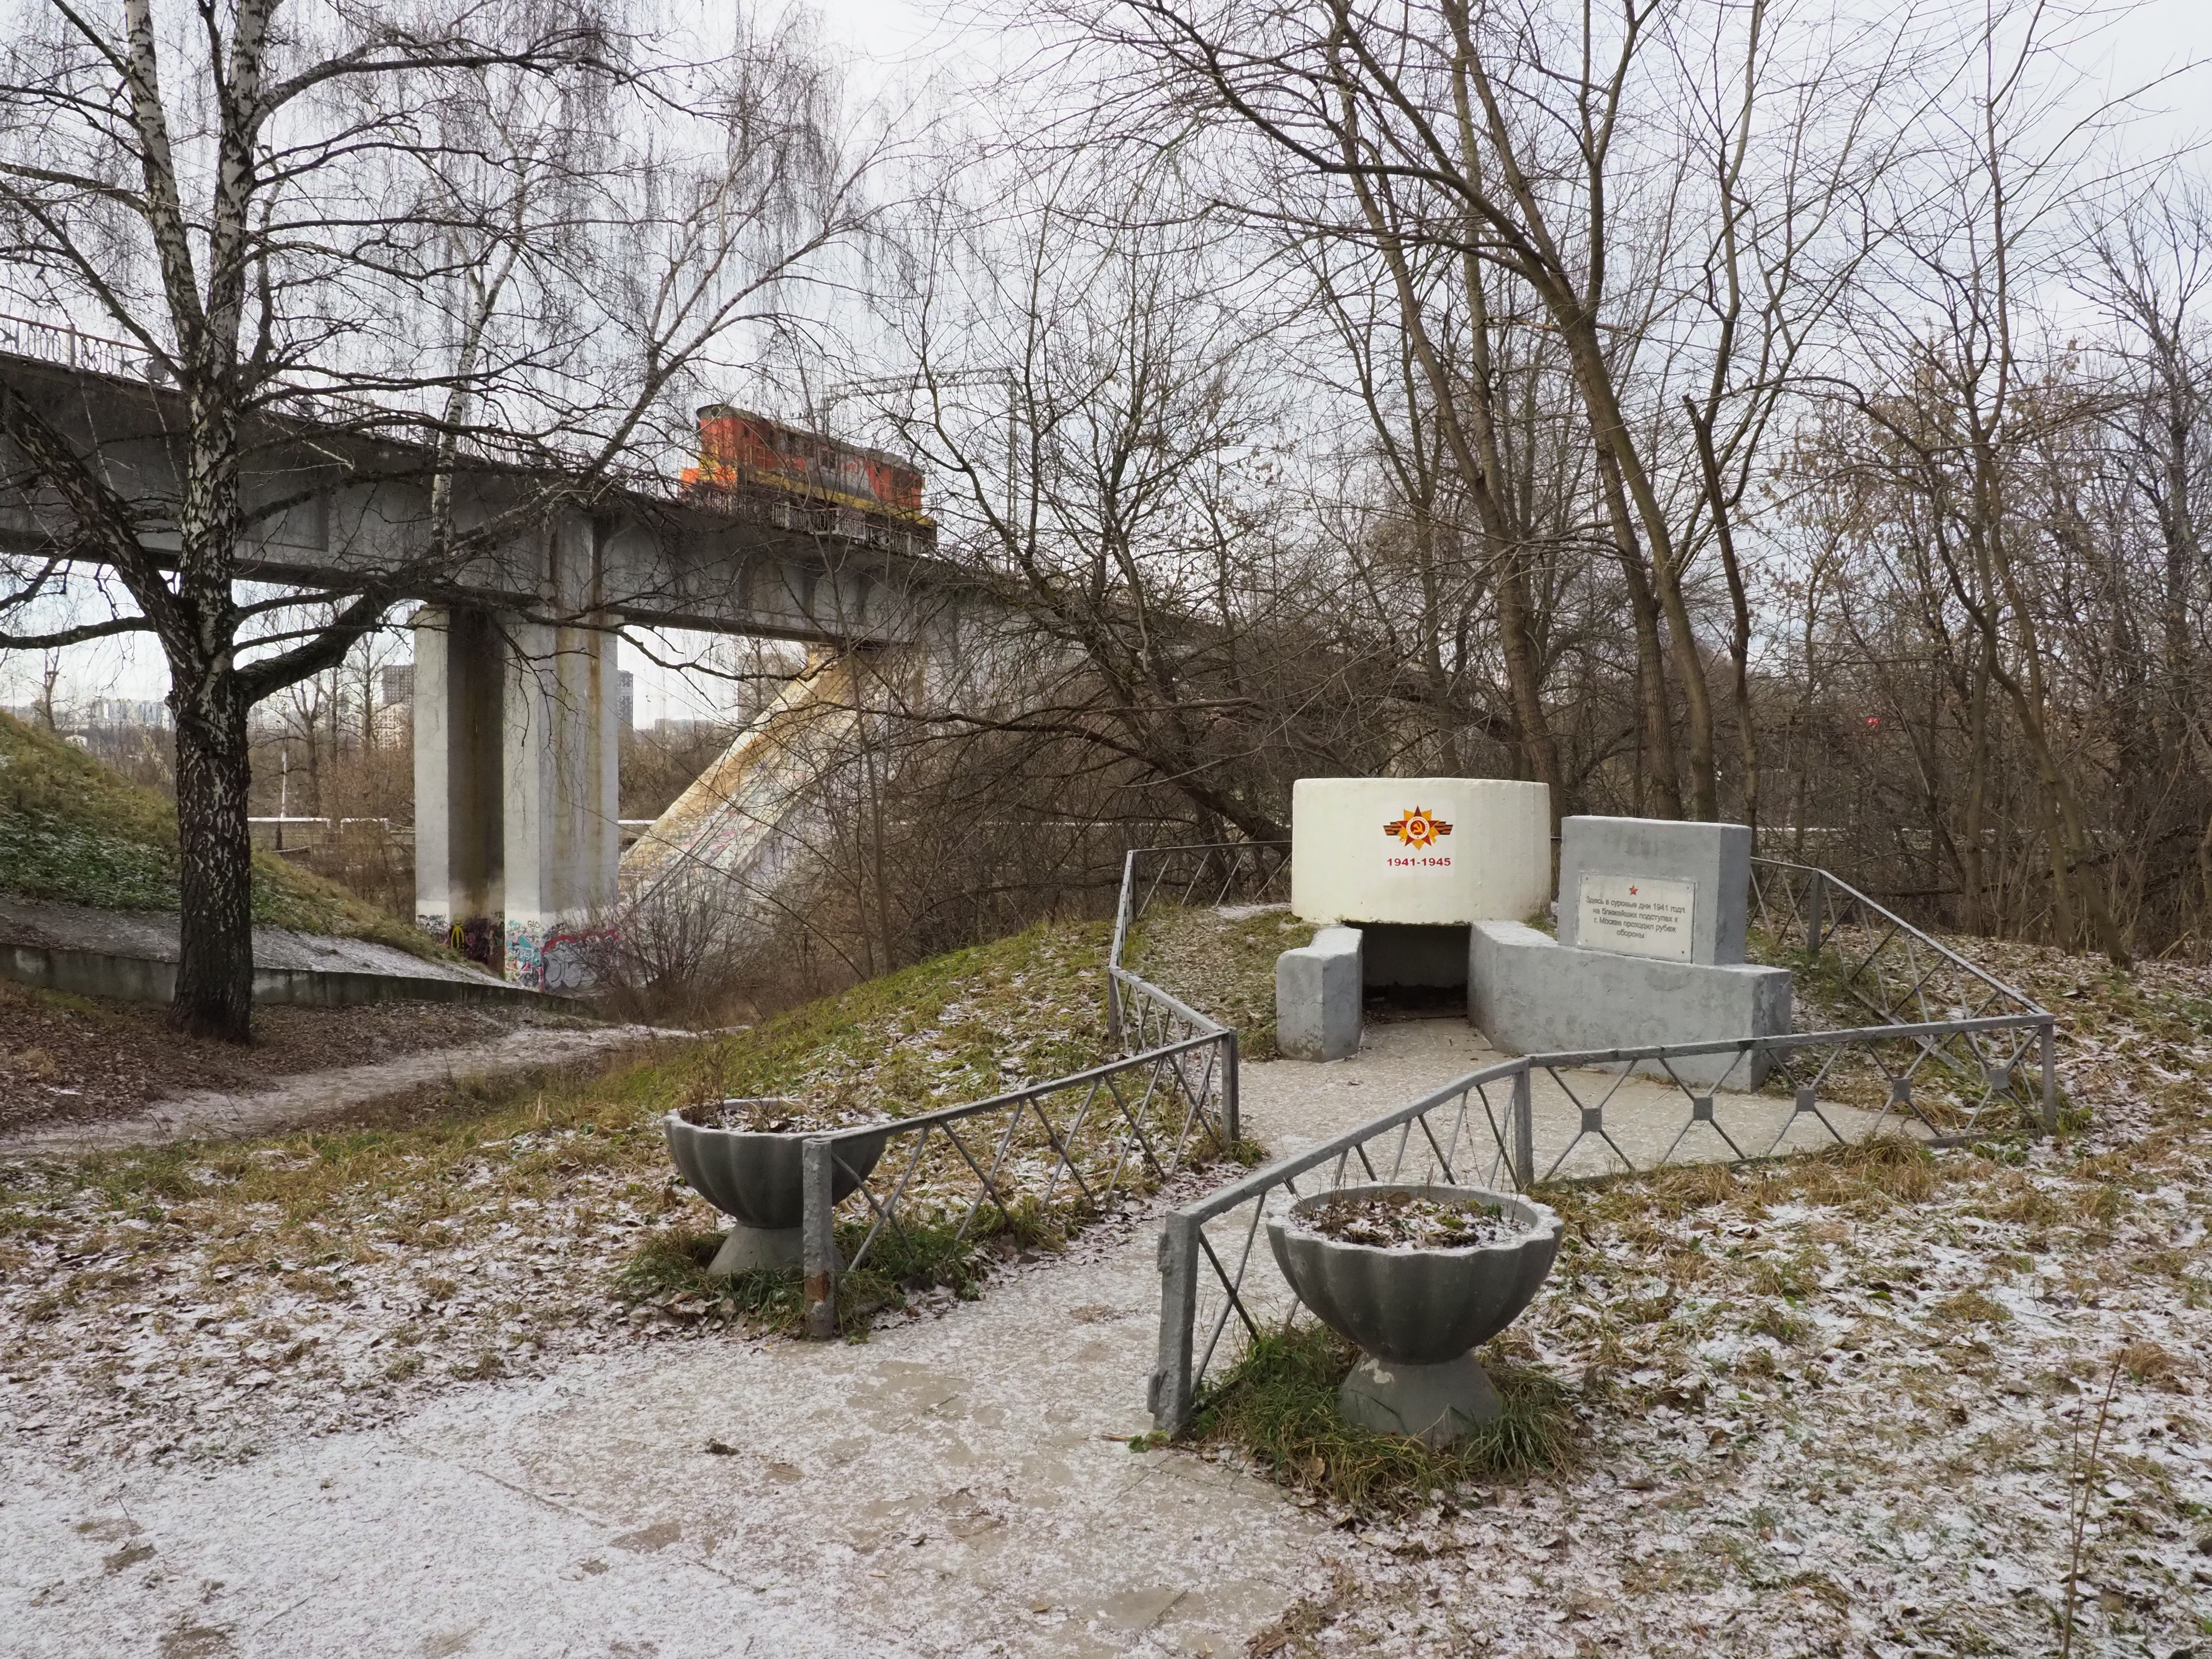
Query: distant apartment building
{"type": "Point", "coordinates": [97, 715]}
{"type": "Point", "coordinates": [149, 714]}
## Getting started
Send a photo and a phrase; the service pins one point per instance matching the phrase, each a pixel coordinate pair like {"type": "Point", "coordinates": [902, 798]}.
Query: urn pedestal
{"type": "Point", "coordinates": [1417, 1313]}
{"type": "Point", "coordinates": [755, 1177]}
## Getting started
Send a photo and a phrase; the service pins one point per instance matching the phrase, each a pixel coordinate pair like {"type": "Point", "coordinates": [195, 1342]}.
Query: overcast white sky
{"type": "Point", "coordinates": [890, 44]}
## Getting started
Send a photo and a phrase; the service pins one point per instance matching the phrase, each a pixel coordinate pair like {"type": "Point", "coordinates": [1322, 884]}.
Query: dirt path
{"type": "Point", "coordinates": [307, 1097]}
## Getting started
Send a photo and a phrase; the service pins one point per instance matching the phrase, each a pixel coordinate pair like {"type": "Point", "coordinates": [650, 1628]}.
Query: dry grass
{"type": "Point", "coordinates": [501, 1225]}
{"type": "Point", "coordinates": [958, 1028]}
{"type": "Point", "coordinates": [963, 1026]}
{"type": "Point", "coordinates": [1278, 1405]}
{"type": "Point", "coordinates": [1221, 962]}
{"type": "Point", "coordinates": [1838, 1389]}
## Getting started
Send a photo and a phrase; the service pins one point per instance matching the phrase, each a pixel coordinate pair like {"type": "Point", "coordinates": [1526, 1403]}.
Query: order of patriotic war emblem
{"type": "Point", "coordinates": [1413, 842]}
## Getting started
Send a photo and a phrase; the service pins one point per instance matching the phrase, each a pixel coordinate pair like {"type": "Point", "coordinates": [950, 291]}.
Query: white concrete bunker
{"type": "Point", "coordinates": [1652, 917]}
{"type": "Point", "coordinates": [1395, 869]}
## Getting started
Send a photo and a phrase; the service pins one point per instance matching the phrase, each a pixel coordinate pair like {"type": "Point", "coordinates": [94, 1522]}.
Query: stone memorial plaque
{"type": "Point", "coordinates": [1635, 915]}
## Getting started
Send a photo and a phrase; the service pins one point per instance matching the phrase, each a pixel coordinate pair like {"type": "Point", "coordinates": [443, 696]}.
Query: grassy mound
{"type": "Point", "coordinates": [1221, 962]}
{"type": "Point", "coordinates": [572, 1164]}
{"type": "Point", "coordinates": [963, 1026]}
{"type": "Point", "coordinates": [72, 831]}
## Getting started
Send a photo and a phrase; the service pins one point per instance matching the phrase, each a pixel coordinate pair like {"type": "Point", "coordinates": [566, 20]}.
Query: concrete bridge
{"type": "Point", "coordinates": [516, 721]}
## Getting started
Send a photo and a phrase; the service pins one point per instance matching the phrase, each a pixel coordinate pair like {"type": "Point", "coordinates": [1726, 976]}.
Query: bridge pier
{"type": "Point", "coordinates": [517, 747]}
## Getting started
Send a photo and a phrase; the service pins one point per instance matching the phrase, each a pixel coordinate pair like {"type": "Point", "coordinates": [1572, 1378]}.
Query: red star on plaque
{"type": "Point", "coordinates": [1418, 828]}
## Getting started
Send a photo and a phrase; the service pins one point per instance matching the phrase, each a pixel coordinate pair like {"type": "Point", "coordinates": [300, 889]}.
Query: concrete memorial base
{"type": "Point", "coordinates": [1433, 1404]}
{"type": "Point", "coordinates": [1394, 869]}
{"type": "Point", "coordinates": [1529, 993]}
{"type": "Point", "coordinates": [1318, 991]}
{"type": "Point", "coordinates": [1424, 851]}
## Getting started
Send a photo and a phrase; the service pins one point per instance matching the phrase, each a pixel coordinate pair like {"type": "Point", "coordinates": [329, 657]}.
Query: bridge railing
{"type": "Point", "coordinates": [55, 342]}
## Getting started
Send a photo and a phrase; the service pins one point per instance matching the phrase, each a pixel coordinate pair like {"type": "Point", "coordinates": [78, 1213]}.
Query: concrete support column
{"type": "Point", "coordinates": [562, 841]}
{"type": "Point", "coordinates": [458, 850]}
{"type": "Point", "coordinates": [517, 754]}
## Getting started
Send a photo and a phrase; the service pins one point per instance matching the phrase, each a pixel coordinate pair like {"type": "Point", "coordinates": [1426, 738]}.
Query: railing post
{"type": "Point", "coordinates": [1122, 921]}
{"type": "Point", "coordinates": [1524, 1131]}
{"type": "Point", "coordinates": [2047, 1040]}
{"type": "Point", "coordinates": [1816, 898]}
{"type": "Point", "coordinates": [818, 1240]}
{"type": "Point", "coordinates": [1229, 1122]}
{"type": "Point", "coordinates": [1171, 1386]}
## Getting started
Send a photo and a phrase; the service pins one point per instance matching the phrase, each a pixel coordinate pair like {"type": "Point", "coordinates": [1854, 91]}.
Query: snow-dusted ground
{"type": "Point", "coordinates": [1827, 1411]}
{"type": "Point", "coordinates": [298, 1100]}
{"type": "Point", "coordinates": [960, 1484]}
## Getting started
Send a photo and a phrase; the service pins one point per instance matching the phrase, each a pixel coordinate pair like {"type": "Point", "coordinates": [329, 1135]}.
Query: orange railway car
{"type": "Point", "coordinates": [739, 451]}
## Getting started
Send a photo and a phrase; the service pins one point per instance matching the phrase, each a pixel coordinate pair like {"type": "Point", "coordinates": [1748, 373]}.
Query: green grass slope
{"type": "Point", "coordinates": [568, 1165]}
{"type": "Point", "coordinates": [963, 1026]}
{"type": "Point", "coordinates": [72, 831]}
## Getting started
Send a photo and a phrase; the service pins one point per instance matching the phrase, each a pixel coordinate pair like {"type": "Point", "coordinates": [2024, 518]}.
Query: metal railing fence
{"type": "Point", "coordinates": [1051, 1152]}
{"type": "Point", "coordinates": [1208, 874]}
{"type": "Point", "coordinates": [58, 342]}
{"type": "Point", "coordinates": [1953, 1047]}
{"type": "Point", "coordinates": [1811, 919]}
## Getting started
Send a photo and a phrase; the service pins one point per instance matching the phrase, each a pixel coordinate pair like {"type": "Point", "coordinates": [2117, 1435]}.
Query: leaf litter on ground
{"type": "Point", "coordinates": [1412, 1221]}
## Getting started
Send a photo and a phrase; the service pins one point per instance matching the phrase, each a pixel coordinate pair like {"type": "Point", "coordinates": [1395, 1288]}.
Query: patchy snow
{"type": "Point", "coordinates": [1406, 1222]}
{"type": "Point", "coordinates": [1846, 1412]}
{"type": "Point", "coordinates": [1827, 1411]}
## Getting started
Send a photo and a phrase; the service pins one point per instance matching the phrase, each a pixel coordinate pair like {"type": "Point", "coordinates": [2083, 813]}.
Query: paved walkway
{"type": "Point", "coordinates": [1649, 1118]}
{"type": "Point", "coordinates": [961, 1485]}
{"type": "Point", "coordinates": [298, 1101]}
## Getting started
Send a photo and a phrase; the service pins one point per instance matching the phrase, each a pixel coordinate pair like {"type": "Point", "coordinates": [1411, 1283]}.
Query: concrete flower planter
{"type": "Point", "coordinates": [1418, 1312]}
{"type": "Point", "coordinates": [755, 1177]}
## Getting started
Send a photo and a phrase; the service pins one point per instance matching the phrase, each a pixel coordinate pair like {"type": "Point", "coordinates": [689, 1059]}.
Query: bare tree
{"type": "Point", "coordinates": [1966, 413]}
{"type": "Point", "coordinates": [1091, 394]}
{"type": "Point", "coordinates": [410, 241]}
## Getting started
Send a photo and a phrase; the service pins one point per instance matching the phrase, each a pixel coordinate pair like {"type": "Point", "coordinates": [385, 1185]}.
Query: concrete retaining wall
{"type": "Point", "coordinates": [1529, 993]}
{"type": "Point", "coordinates": [143, 978]}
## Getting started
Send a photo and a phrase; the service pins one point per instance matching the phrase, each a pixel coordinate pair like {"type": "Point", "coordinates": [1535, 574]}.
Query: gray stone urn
{"type": "Point", "coordinates": [755, 1178]}
{"type": "Point", "coordinates": [1418, 1313]}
